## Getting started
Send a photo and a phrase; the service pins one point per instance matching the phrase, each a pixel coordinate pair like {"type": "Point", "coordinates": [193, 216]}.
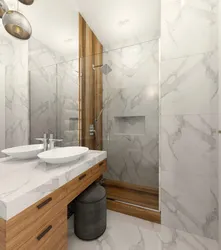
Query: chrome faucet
{"type": "Point", "coordinates": [48, 143]}
{"type": "Point", "coordinates": [44, 140]}
{"type": "Point", "coordinates": [52, 141]}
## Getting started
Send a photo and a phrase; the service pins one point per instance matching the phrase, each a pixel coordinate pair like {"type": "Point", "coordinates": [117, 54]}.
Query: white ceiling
{"type": "Point", "coordinates": [119, 23]}
{"type": "Point", "coordinates": [116, 23]}
{"type": "Point", "coordinates": [54, 23]}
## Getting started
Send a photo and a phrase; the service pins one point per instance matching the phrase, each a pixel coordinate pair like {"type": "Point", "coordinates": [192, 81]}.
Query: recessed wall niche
{"type": "Point", "coordinates": [130, 125]}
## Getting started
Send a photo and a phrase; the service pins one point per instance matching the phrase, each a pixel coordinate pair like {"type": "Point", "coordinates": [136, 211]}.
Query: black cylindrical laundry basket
{"type": "Point", "coordinates": [90, 218]}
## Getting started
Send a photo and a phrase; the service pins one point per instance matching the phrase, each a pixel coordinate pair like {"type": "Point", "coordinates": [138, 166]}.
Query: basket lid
{"type": "Point", "coordinates": [92, 194]}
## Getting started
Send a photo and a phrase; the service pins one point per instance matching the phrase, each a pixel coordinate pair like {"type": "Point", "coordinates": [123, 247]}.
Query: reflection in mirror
{"type": "Point", "coordinates": [54, 39]}
{"type": "Point", "coordinates": [54, 102]}
{"type": "Point", "coordinates": [93, 81]}
{"type": "Point", "coordinates": [2, 108]}
{"type": "Point", "coordinates": [53, 66]}
{"type": "Point", "coordinates": [14, 98]}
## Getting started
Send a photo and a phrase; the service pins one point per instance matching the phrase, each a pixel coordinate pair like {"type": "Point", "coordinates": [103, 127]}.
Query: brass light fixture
{"type": "Point", "coordinates": [17, 25]}
{"type": "Point", "coordinates": [3, 8]}
{"type": "Point", "coordinates": [27, 2]}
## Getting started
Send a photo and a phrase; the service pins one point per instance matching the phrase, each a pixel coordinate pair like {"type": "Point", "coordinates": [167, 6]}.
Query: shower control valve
{"type": "Point", "coordinates": [92, 130]}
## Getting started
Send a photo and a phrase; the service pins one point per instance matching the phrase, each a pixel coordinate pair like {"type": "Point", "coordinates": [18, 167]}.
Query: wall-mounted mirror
{"type": "Point", "coordinates": [90, 75]}
{"type": "Point", "coordinates": [54, 70]}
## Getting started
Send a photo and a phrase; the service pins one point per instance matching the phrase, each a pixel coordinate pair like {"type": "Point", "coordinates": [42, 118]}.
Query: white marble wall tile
{"type": "Point", "coordinates": [219, 180]}
{"type": "Point", "coordinates": [189, 144]}
{"type": "Point", "coordinates": [189, 160]}
{"type": "Point", "coordinates": [219, 126]}
{"type": "Point", "coordinates": [132, 88]}
{"type": "Point", "coordinates": [16, 92]}
{"type": "Point", "coordinates": [68, 102]}
{"type": "Point", "coordinates": [189, 85]}
{"type": "Point", "coordinates": [14, 59]}
{"type": "Point", "coordinates": [132, 101]}
{"type": "Point", "coordinates": [43, 101]}
{"type": "Point", "coordinates": [189, 107]}
{"type": "Point", "coordinates": [136, 158]}
{"type": "Point", "coordinates": [133, 66]}
{"type": "Point", "coordinates": [188, 27]}
{"type": "Point", "coordinates": [189, 203]}
{"type": "Point", "coordinates": [2, 108]}
{"type": "Point", "coordinates": [131, 92]}
{"type": "Point", "coordinates": [41, 55]}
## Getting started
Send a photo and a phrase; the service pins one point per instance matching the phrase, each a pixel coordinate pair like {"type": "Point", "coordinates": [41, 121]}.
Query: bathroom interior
{"type": "Point", "coordinates": [109, 125]}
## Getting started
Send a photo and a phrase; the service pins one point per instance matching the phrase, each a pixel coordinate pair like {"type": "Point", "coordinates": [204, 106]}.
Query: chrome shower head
{"type": "Point", "coordinates": [105, 69]}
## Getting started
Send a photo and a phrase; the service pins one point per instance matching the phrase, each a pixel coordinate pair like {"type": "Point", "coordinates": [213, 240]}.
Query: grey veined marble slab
{"type": "Point", "coordinates": [129, 233]}
{"type": "Point", "coordinates": [22, 183]}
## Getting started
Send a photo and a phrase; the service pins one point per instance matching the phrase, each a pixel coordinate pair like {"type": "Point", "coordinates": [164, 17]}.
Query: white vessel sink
{"type": "Point", "coordinates": [63, 155]}
{"type": "Point", "coordinates": [24, 152]}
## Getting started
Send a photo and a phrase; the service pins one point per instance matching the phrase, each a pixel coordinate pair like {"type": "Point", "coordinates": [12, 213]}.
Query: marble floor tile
{"type": "Point", "coordinates": [129, 233]}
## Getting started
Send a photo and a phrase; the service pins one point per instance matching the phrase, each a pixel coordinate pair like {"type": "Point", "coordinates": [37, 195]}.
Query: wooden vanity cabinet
{"type": "Point", "coordinates": [43, 226]}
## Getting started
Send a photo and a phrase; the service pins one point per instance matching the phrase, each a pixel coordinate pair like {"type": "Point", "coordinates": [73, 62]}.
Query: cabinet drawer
{"type": "Point", "coordinates": [101, 167]}
{"type": "Point", "coordinates": [58, 240]}
{"type": "Point", "coordinates": [22, 237]}
{"type": "Point", "coordinates": [29, 216]}
{"type": "Point", "coordinates": [78, 182]}
{"type": "Point", "coordinates": [46, 235]}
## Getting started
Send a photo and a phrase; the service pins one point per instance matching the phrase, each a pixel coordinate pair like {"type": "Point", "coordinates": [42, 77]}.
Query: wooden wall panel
{"type": "Point", "coordinates": [98, 76]}
{"type": "Point", "coordinates": [81, 78]}
{"type": "Point", "coordinates": [91, 86]}
{"type": "Point", "coordinates": [2, 234]}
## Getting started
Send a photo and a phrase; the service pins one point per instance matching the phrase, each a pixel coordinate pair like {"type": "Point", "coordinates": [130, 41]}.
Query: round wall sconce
{"type": "Point", "coordinates": [17, 25]}
{"type": "Point", "coordinates": [27, 2]}
{"type": "Point", "coordinates": [3, 8]}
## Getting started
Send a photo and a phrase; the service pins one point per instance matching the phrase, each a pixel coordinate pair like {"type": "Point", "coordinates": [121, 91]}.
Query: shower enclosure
{"type": "Point", "coordinates": [120, 114]}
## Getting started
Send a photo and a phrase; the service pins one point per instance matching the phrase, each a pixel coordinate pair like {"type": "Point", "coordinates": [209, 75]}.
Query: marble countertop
{"type": "Point", "coordinates": [24, 182]}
